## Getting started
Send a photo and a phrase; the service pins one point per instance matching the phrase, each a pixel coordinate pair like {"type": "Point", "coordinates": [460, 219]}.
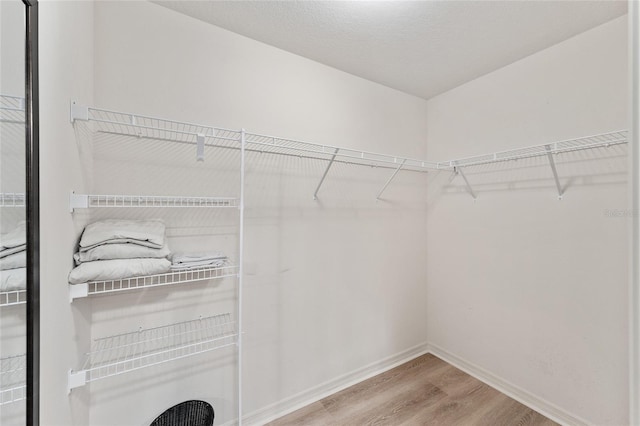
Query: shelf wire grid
{"type": "Point", "coordinates": [13, 379]}
{"type": "Point", "coordinates": [107, 121]}
{"type": "Point", "coordinates": [159, 201]}
{"type": "Point", "coordinates": [602, 140]}
{"type": "Point", "coordinates": [158, 280]}
{"type": "Point", "coordinates": [12, 199]}
{"type": "Point", "coordinates": [119, 354]}
{"type": "Point", "coordinates": [11, 109]}
{"type": "Point", "coordinates": [9, 298]}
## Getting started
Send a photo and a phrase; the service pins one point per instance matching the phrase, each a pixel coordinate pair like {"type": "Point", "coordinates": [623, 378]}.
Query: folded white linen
{"type": "Point", "coordinates": [120, 251]}
{"type": "Point", "coordinates": [181, 257]}
{"type": "Point", "coordinates": [12, 250]}
{"type": "Point", "coordinates": [13, 279]}
{"type": "Point", "coordinates": [196, 265]}
{"type": "Point", "coordinates": [16, 260]}
{"type": "Point", "coordinates": [14, 238]}
{"type": "Point", "coordinates": [117, 269]}
{"type": "Point", "coordinates": [122, 241]}
{"type": "Point", "coordinates": [150, 232]}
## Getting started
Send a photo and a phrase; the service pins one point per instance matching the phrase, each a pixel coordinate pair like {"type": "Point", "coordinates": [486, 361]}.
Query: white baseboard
{"type": "Point", "coordinates": [309, 396]}
{"type": "Point", "coordinates": [538, 404]}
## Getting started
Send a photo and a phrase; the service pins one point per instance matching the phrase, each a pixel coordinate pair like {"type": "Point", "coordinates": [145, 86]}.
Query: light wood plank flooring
{"type": "Point", "coordinates": [424, 391]}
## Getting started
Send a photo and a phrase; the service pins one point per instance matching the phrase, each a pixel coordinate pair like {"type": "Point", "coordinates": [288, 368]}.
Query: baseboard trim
{"type": "Point", "coordinates": [309, 396]}
{"type": "Point", "coordinates": [538, 404]}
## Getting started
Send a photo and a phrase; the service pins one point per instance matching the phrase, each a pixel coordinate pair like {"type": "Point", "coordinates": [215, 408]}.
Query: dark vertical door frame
{"type": "Point", "coordinates": [33, 212]}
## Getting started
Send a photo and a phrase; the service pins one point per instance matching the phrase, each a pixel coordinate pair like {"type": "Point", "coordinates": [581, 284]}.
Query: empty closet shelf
{"type": "Point", "coordinates": [171, 278]}
{"type": "Point", "coordinates": [119, 354]}
{"type": "Point", "coordinates": [13, 379]}
{"type": "Point", "coordinates": [9, 298]}
{"type": "Point", "coordinates": [12, 199]}
{"type": "Point", "coordinates": [83, 201]}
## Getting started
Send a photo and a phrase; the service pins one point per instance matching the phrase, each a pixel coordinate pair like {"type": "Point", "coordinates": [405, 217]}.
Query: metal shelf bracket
{"type": "Point", "coordinates": [76, 379]}
{"type": "Point", "coordinates": [459, 171]}
{"type": "Point", "coordinates": [390, 179]}
{"type": "Point", "coordinates": [552, 163]}
{"type": "Point", "coordinates": [324, 175]}
{"type": "Point", "coordinates": [78, 201]}
{"type": "Point", "coordinates": [79, 112]}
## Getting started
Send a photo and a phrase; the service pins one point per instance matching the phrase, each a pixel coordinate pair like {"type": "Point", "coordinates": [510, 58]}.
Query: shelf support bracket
{"type": "Point", "coordinates": [78, 201]}
{"type": "Point", "coordinates": [76, 379]}
{"type": "Point", "coordinates": [391, 178]}
{"type": "Point", "coordinates": [77, 291]}
{"type": "Point", "coordinates": [324, 175]}
{"type": "Point", "coordinates": [552, 163]}
{"type": "Point", "coordinates": [459, 171]}
{"type": "Point", "coordinates": [79, 112]}
{"type": "Point", "coordinates": [200, 147]}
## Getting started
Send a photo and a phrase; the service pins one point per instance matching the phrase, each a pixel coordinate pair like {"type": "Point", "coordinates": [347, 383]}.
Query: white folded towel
{"type": "Point", "coordinates": [14, 238]}
{"type": "Point", "coordinates": [182, 258]}
{"type": "Point", "coordinates": [13, 250]}
{"type": "Point", "coordinates": [120, 251]}
{"type": "Point", "coordinates": [116, 269]}
{"type": "Point", "coordinates": [149, 233]}
{"type": "Point", "coordinates": [13, 279]}
{"type": "Point", "coordinates": [16, 260]}
{"type": "Point", "coordinates": [214, 263]}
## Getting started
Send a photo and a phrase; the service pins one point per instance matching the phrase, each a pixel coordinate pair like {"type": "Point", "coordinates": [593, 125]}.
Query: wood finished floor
{"type": "Point", "coordinates": [424, 391]}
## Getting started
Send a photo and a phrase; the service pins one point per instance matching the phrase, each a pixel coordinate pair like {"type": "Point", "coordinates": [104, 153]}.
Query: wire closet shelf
{"type": "Point", "coordinates": [602, 140]}
{"type": "Point", "coordinates": [13, 379]}
{"type": "Point", "coordinates": [78, 201]}
{"type": "Point", "coordinates": [113, 122]}
{"type": "Point", "coordinates": [123, 353]}
{"type": "Point", "coordinates": [12, 109]}
{"type": "Point", "coordinates": [12, 199]}
{"type": "Point", "coordinates": [13, 297]}
{"type": "Point", "coordinates": [94, 288]}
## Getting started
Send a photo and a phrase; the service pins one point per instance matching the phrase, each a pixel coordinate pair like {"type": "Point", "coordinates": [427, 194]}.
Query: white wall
{"type": "Point", "coordinates": [332, 285]}
{"type": "Point", "coordinates": [66, 72]}
{"type": "Point", "coordinates": [529, 288]}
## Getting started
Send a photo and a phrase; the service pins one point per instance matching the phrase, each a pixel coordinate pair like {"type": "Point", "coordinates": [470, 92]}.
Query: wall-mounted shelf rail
{"type": "Point", "coordinates": [114, 122]}
{"type": "Point", "coordinates": [94, 288]}
{"type": "Point", "coordinates": [12, 199]}
{"type": "Point", "coordinates": [9, 298]}
{"type": "Point", "coordinates": [602, 140]}
{"type": "Point", "coordinates": [83, 201]}
{"type": "Point", "coordinates": [549, 150]}
{"type": "Point", "coordinates": [12, 109]}
{"type": "Point", "coordinates": [13, 386]}
{"type": "Point", "coordinates": [107, 121]}
{"type": "Point", "coordinates": [123, 353]}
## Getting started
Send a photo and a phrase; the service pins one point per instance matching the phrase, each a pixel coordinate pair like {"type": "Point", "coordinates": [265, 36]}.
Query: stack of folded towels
{"type": "Point", "coordinates": [13, 259]}
{"type": "Point", "coordinates": [188, 261]}
{"type": "Point", "coordinates": [117, 249]}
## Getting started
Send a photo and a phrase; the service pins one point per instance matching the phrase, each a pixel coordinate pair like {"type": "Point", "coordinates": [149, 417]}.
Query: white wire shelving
{"type": "Point", "coordinates": [13, 386]}
{"type": "Point", "coordinates": [12, 199]}
{"type": "Point", "coordinates": [123, 353]}
{"type": "Point", "coordinates": [108, 121]}
{"type": "Point", "coordinates": [10, 298]}
{"type": "Point", "coordinates": [12, 109]}
{"type": "Point", "coordinates": [94, 288]}
{"type": "Point", "coordinates": [549, 150]}
{"type": "Point", "coordinates": [603, 140]}
{"type": "Point", "coordinates": [78, 201]}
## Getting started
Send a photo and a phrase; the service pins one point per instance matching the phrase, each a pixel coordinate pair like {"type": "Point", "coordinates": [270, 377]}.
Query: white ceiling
{"type": "Point", "coordinates": [419, 47]}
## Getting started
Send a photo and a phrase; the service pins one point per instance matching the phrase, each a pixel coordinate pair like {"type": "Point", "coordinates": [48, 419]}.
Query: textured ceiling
{"type": "Point", "coordinates": [419, 47]}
